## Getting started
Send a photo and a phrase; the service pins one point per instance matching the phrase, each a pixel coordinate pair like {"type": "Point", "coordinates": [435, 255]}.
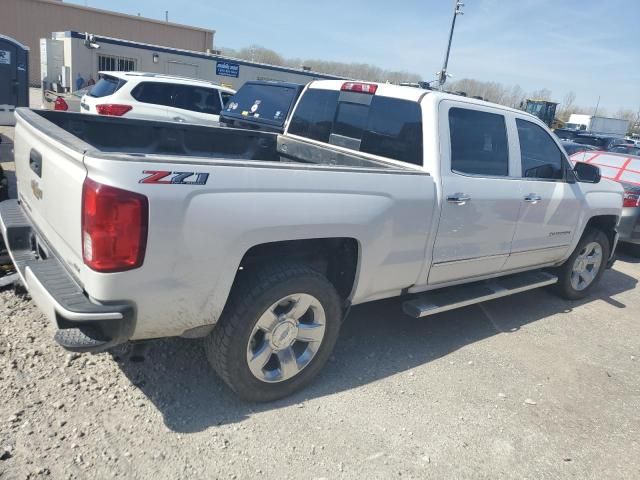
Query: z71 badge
{"type": "Point", "coordinates": [174, 178]}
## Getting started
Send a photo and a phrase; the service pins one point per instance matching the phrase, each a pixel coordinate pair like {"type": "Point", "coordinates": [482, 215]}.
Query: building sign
{"type": "Point", "coordinates": [226, 69]}
{"type": "Point", "coordinates": [5, 58]}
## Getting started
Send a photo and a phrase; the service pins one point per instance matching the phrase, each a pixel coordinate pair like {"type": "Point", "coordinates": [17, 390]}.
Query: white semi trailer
{"type": "Point", "coordinates": [616, 127]}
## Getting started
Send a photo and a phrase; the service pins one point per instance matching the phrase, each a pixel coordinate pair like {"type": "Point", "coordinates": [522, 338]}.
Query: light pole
{"type": "Point", "coordinates": [442, 74]}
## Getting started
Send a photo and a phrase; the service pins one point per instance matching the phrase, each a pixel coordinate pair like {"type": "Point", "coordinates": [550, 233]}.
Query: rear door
{"type": "Point", "coordinates": [550, 204]}
{"type": "Point", "coordinates": [481, 193]}
{"type": "Point", "coordinates": [193, 104]}
{"type": "Point", "coordinates": [152, 100]}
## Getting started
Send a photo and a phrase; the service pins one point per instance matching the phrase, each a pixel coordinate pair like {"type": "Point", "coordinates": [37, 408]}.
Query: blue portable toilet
{"type": "Point", "coordinates": [14, 78]}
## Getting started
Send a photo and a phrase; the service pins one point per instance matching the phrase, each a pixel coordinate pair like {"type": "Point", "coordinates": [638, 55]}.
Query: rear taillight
{"type": "Point", "coordinates": [113, 109]}
{"type": "Point", "coordinates": [631, 199]}
{"type": "Point", "coordinates": [369, 88]}
{"type": "Point", "coordinates": [114, 227]}
{"type": "Point", "coordinates": [60, 104]}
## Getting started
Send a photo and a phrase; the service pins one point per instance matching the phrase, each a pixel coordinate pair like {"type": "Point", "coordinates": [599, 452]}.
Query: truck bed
{"type": "Point", "coordinates": [98, 134]}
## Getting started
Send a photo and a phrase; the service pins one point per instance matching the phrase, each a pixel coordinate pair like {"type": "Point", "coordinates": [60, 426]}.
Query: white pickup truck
{"type": "Point", "coordinates": [127, 230]}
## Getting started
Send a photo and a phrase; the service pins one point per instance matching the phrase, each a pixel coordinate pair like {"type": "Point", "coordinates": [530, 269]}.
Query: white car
{"type": "Point", "coordinates": [153, 96]}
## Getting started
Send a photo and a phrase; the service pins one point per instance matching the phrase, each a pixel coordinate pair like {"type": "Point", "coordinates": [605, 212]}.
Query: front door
{"type": "Point", "coordinates": [550, 204]}
{"type": "Point", "coordinates": [480, 194]}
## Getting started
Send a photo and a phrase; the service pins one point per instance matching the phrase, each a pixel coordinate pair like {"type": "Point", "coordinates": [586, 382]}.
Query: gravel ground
{"type": "Point", "coordinates": [529, 386]}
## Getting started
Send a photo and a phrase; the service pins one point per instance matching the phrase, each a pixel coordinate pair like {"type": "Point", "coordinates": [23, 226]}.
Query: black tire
{"type": "Point", "coordinates": [564, 286]}
{"type": "Point", "coordinates": [226, 345]}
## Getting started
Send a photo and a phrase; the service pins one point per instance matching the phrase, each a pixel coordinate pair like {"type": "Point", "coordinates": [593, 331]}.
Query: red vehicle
{"type": "Point", "coordinates": [625, 169]}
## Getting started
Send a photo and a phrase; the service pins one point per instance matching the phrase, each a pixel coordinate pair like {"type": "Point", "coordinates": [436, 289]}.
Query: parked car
{"type": "Point", "coordinates": [625, 169]}
{"type": "Point", "coordinates": [261, 105]}
{"type": "Point", "coordinates": [601, 142]}
{"type": "Point", "coordinates": [127, 230]}
{"type": "Point", "coordinates": [153, 96]}
{"type": "Point", "coordinates": [565, 133]}
{"type": "Point", "coordinates": [573, 147]}
{"type": "Point", "coordinates": [67, 102]}
{"type": "Point", "coordinates": [626, 149]}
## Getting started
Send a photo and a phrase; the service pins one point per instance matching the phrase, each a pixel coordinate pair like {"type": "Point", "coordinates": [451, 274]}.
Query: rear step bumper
{"type": "Point", "coordinates": [82, 325]}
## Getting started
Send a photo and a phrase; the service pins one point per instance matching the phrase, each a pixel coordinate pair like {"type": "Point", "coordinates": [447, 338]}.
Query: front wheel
{"type": "Point", "coordinates": [584, 268]}
{"type": "Point", "coordinates": [276, 333]}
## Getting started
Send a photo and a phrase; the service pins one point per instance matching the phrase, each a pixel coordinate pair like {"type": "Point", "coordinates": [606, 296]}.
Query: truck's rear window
{"type": "Point", "coordinates": [107, 85]}
{"type": "Point", "coordinates": [389, 127]}
{"type": "Point", "coordinates": [259, 101]}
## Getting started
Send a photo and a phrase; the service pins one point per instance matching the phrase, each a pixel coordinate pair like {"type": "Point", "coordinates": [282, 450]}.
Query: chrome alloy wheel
{"type": "Point", "coordinates": [586, 266]}
{"type": "Point", "coordinates": [286, 338]}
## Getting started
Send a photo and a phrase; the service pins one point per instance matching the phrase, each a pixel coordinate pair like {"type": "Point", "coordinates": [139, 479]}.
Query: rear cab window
{"type": "Point", "coordinates": [264, 102]}
{"type": "Point", "coordinates": [105, 86]}
{"type": "Point", "coordinates": [383, 126]}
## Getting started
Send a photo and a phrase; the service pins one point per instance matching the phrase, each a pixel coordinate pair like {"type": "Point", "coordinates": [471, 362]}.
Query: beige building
{"type": "Point", "coordinates": [30, 20]}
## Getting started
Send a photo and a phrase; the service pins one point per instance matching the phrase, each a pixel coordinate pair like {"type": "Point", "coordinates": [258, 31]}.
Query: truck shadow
{"type": "Point", "coordinates": [377, 341]}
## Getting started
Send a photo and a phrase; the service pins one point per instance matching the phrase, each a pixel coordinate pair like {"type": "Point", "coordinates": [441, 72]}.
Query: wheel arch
{"type": "Point", "coordinates": [606, 224]}
{"type": "Point", "coordinates": [338, 258]}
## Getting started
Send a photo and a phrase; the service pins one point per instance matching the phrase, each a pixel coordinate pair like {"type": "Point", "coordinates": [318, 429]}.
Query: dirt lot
{"type": "Point", "coordinates": [530, 386]}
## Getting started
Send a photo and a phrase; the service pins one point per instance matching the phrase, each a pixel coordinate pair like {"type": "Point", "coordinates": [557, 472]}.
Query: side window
{"type": "Point", "coordinates": [197, 99]}
{"type": "Point", "coordinates": [394, 130]}
{"type": "Point", "coordinates": [313, 117]}
{"type": "Point", "coordinates": [478, 143]}
{"type": "Point", "coordinates": [225, 98]}
{"type": "Point", "coordinates": [541, 157]}
{"type": "Point", "coordinates": [155, 93]}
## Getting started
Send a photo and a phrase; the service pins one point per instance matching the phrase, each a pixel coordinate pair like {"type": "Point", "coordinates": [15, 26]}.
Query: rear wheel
{"type": "Point", "coordinates": [584, 268]}
{"type": "Point", "coordinates": [276, 333]}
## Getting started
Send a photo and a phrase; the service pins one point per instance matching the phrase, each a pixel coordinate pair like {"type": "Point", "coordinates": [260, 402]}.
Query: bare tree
{"type": "Point", "coordinates": [256, 53]}
{"type": "Point", "coordinates": [567, 106]}
{"type": "Point", "coordinates": [359, 71]}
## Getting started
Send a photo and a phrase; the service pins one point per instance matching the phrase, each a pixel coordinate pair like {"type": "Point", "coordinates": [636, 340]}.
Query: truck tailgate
{"type": "Point", "coordinates": [50, 175]}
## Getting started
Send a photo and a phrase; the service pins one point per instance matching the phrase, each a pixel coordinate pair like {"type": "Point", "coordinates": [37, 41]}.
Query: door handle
{"type": "Point", "coordinates": [458, 198]}
{"type": "Point", "coordinates": [178, 119]}
{"type": "Point", "coordinates": [532, 198]}
{"type": "Point", "coordinates": [35, 162]}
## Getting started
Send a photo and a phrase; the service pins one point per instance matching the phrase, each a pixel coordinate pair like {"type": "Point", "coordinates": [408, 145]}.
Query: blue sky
{"type": "Point", "coordinates": [588, 46]}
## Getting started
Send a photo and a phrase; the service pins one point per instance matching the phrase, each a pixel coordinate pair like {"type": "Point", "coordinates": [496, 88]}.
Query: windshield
{"type": "Point", "coordinates": [107, 85]}
{"type": "Point", "coordinates": [259, 101]}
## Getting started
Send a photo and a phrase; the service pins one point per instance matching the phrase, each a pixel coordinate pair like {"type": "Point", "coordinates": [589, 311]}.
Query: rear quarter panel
{"type": "Point", "coordinates": [199, 234]}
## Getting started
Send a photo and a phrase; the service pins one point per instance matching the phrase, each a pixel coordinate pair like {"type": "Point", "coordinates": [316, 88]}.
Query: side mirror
{"type": "Point", "coordinates": [587, 173]}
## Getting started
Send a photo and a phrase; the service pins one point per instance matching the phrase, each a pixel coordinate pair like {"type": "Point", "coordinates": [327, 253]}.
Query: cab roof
{"type": "Point", "coordinates": [413, 94]}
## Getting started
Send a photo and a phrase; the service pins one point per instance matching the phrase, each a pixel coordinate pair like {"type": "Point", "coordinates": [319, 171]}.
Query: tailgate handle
{"type": "Point", "coordinates": [35, 162]}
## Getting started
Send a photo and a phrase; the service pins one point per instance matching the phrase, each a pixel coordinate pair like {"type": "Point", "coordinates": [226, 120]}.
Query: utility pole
{"type": "Point", "coordinates": [595, 113]}
{"type": "Point", "coordinates": [166, 16]}
{"type": "Point", "coordinates": [442, 74]}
